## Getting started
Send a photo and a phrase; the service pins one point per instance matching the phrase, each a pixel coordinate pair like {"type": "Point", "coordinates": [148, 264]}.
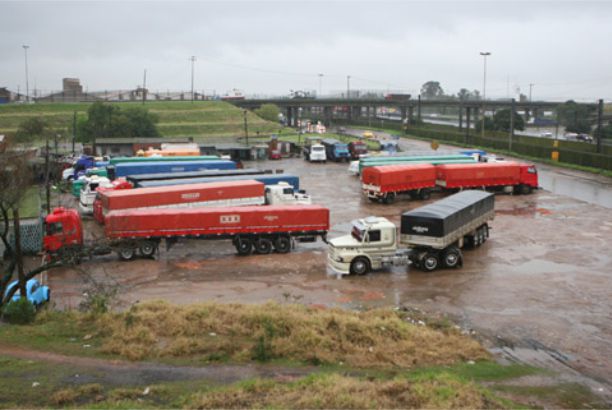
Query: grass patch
{"type": "Point", "coordinates": [30, 204]}
{"type": "Point", "coordinates": [336, 391]}
{"type": "Point", "coordinates": [199, 119]}
{"type": "Point", "coordinates": [565, 396]}
{"type": "Point", "coordinates": [380, 338]}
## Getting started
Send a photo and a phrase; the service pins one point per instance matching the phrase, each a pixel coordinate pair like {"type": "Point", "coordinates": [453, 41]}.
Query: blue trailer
{"type": "Point", "coordinates": [140, 168]}
{"type": "Point", "coordinates": [266, 179]}
{"type": "Point", "coordinates": [210, 173]}
{"type": "Point", "coordinates": [336, 150]}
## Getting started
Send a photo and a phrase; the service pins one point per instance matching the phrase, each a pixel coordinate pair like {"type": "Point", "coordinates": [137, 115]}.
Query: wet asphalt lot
{"type": "Point", "coordinates": [542, 282]}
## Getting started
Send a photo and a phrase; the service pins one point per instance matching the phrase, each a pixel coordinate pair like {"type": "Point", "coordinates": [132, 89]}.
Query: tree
{"type": "Point", "coordinates": [476, 95]}
{"type": "Point", "coordinates": [501, 121]}
{"type": "Point", "coordinates": [463, 94]}
{"type": "Point", "coordinates": [431, 90]}
{"type": "Point", "coordinates": [575, 117]}
{"type": "Point", "coordinates": [105, 120]}
{"type": "Point", "coordinates": [268, 112]}
{"type": "Point", "coordinates": [15, 178]}
{"type": "Point", "coordinates": [31, 129]}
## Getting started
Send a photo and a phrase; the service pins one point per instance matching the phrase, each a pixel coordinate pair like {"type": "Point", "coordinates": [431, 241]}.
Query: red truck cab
{"type": "Point", "coordinates": [357, 148]}
{"type": "Point", "coordinates": [63, 228]}
{"type": "Point", "coordinates": [529, 175]}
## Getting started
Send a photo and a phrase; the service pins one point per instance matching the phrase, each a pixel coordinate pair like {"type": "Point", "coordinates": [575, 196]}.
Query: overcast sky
{"type": "Point", "coordinates": [563, 48]}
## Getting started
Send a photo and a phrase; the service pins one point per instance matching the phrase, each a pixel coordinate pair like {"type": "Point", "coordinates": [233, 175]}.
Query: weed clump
{"type": "Point", "coordinates": [19, 312]}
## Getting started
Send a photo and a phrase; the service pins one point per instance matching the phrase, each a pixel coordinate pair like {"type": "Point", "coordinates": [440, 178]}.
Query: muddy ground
{"type": "Point", "coordinates": [539, 291]}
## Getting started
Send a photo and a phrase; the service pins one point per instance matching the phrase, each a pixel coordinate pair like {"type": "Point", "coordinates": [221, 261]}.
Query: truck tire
{"type": "Point", "coordinates": [452, 257]}
{"type": "Point", "coordinates": [524, 189]}
{"type": "Point", "coordinates": [282, 244]}
{"type": "Point", "coordinates": [430, 262]}
{"type": "Point", "coordinates": [148, 248]}
{"type": "Point", "coordinates": [263, 246]}
{"type": "Point", "coordinates": [126, 253]}
{"type": "Point", "coordinates": [244, 246]}
{"type": "Point", "coordinates": [360, 266]}
{"type": "Point", "coordinates": [424, 194]}
{"type": "Point", "coordinates": [389, 198]}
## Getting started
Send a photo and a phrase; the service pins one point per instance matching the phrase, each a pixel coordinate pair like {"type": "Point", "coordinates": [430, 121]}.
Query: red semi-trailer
{"type": "Point", "coordinates": [386, 182]}
{"type": "Point", "coordinates": [512, 176]}
{"type": "Point", "coordinates": [261, 229]}
{"type": "Point", "coordinates": [229, 193]}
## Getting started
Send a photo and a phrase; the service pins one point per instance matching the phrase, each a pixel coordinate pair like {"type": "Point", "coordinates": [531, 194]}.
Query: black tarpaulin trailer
{"type": "Point", "coordinates": [447, 220]}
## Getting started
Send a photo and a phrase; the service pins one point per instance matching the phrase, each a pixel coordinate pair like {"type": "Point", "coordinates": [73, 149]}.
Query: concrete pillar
{"type": "Point", "coordinates": [467, 124]}
{"type": "Point", "coordinates": [410, 115]}
{"type": "Point", "coordinates": [357, 112]}
{"type": "Point", "coordinates": [349, 114]}
{"type": "Point", "coordinates": [289, 116]}
{"type": "Point", "coordinates": [327, 116]}
{"type": "Point", "coordinates": [460, 117]}
{"type": "Point", "coordinates": [419, 108]}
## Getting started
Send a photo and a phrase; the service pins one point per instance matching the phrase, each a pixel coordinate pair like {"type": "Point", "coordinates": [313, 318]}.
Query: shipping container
{"type": "Point", "coordinates": [267, 179]}
{"type": "Point", "coordinates": [120, 160]}
{"type": "Point", "coordinates": [489, 174]}
{"type": "Point", "coordinates": [130, 168]}
{"type": "Point", "coordinates": [211, 173]}
{"type": "Point", "coordinates": [218, 222]}
{"type": "Point", "coordinates": [205, 194]}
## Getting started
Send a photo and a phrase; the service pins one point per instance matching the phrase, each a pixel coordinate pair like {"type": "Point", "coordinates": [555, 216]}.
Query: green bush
{"type": "Point", "coordinates": [20, 312]}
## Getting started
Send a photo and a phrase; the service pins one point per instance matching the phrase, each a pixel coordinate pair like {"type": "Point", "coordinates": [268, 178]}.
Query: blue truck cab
{"type": "Point", "coordinates": [336, 150]}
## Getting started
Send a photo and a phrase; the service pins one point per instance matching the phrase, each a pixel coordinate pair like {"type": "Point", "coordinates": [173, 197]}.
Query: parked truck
{"type": "Point", "coordinates": [335, 150]}
{"type": "Point", "coordinates": [267, 179]}
{"type": "Point", "coordinates": [259, 229]}
{"type": "Point", "coordinates": [509, 176]}
{"type": "Point", "coordinates": [387, 182]}
{"type": "Point", "coordinates": [314, 151]}
{"type": "Point", "coordinates": [357, 149]}
{"type": "Point", "coordinates": [430, 237]}
{"type": "Point", "coordinates": [232, 193]}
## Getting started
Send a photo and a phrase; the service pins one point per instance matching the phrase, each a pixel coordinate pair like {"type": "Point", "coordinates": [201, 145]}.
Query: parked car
{"type": "Point", "coordinates": [36, 293]}
{"type": "Point", "coordinates": [584, 138]}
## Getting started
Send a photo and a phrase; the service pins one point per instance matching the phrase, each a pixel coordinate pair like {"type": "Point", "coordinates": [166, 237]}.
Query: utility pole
{"type": "Point", "coordinates": [348, 86]}
{"type": "Point", "coordinates": [511, 133]}
{"type": "Point", "coordinates": [144, 87]}
{"type": "Point", "coordinates": [530, 89]}
{"type": "Point", "coordinates": [193, 59]}
{"type": "Point", "coordinates": [74, 125]}
{"type": "Point", "coordinates": [599, 124]}
{"type": "Point", "coordinates": [246, 127]}
{"type": "Point", "coordinates": [25, 50]}
{"type": "Point", "coordinates": [47, 187]}
{"type": "Point", "coordinates": [484, 54]}
{"type": "Point", "coordinates": [320, 81]}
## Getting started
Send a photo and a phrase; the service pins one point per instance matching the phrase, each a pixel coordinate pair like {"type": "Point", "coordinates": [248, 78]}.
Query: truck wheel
{"type": "Point", "coordinates": [243, 246]}
{"type": "Point", "coordinates": [360, 266]}
{"type": "Point", "coordinates": [282, 244]}
{"type": "Point", "coordinates": [389, 198]}
{"type": "Point", "coordinates": [452, 257]}
{"type": "Point", "coordinates": [430, 262]}
{"type": "Point", "coordinates": [126, 253]}
{"type": "Point", "coordinates": [147, 249]}
{"type": "Point", "coordinates": [525, 189]}
{"type": "Point", "coordinates": [263, 246]}
{"type": "Point", "coordinates": [424, 194]}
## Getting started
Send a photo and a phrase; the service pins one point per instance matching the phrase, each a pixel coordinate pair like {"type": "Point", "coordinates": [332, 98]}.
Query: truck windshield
{"type": "Point", "coordinates": [54, 228]}
{"type": "Point", "coordinates": [357, 233]}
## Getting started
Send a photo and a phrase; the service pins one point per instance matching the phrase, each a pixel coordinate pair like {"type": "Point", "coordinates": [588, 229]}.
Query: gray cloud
{"type": "Point", "coordinates": [271, 47]}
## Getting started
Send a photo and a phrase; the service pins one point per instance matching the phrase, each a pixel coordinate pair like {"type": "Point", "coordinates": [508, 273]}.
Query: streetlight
{"type": "Point", "coordinates": [25, 50]}
{"type": "Point", "coordinates": [320, 81]}
{"type": "Point", "coordinates": [348, 86]}
{"type": "Point", "coordinates": [193, 59]}
{"type": "Point", "coordinates": [484, 55]}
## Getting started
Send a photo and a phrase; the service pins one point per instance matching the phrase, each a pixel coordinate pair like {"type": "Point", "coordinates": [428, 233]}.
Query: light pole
{"type": "Point", "coordinates": [484, 54]}
{"type": "Point", "coordinates": [320, 81]}
{"type": "Point", "coordinates": [25, 50]}
{"type": "Point", "coordinates": [348, 86]}
{"type": "Point", "coordinates": [193, 59]}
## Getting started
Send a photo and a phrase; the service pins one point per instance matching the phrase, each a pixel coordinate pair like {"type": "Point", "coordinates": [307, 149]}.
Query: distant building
{"type": "Point", "coordinates": [5, 95]}
{"type": "Point", "coordinates": [72, 91]}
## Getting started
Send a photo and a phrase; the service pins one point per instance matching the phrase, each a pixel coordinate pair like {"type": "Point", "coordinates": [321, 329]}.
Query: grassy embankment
{"type": "Point", "coordinates": [342, 359]}
{"type": "Point", "coordinates": [200, 119]}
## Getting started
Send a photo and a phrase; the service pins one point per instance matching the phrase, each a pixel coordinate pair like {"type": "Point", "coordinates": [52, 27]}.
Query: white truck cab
{"type": "Point", "coordinates": [317, 153]}
{"type": "Point", "coordinates": [372, 242]}
{"type": "Point", "coordinates": [88, 192]}
{"type": "Point", "coordinates": [284, 194]}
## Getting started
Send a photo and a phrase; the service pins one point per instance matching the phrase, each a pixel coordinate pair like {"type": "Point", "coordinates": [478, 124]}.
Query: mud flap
{"type": "Point", "coordinates": [170, 243]}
